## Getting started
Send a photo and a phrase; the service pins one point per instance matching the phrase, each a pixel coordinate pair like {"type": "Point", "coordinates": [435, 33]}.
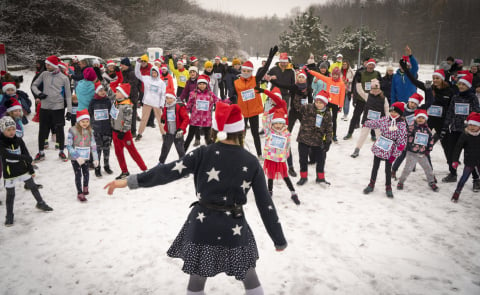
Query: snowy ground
{"type": "Point", "coordinates": [340, 240]}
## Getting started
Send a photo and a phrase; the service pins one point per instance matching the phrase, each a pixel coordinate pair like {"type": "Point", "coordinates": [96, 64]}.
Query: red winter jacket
{"type": "Point", "coordinates": [181, 117]}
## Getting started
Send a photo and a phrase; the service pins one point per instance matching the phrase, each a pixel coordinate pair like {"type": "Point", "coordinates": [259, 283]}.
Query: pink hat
{"type": "Point", "coordinates": [89, 74]}
{"type": "Point", "coordinates": [228, 119]}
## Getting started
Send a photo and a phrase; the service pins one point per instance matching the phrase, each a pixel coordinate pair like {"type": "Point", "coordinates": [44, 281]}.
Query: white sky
{"type": "Point", "coordinates": [256, 8]}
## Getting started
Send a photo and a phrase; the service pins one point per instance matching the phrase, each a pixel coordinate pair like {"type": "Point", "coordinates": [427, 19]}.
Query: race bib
{"type": "Point", "coordinates": [334, 89]}
{"type": "Point", "coordinates": [435, 111]}
{"type": "Point", "coordinates": [248, 94]}
{"type": "Point", "coordinates": [462, 109]}
{"type": "Point", "coordinates": [421, 138]}
{"type": "Point", "coordinates": [278, 142]}
{"type": "Point", "coordinates": [183, 79]}
{"type": "Point", "coordinates": [100, 115]}
{"type": "Point", "coordinates": [203, 105]}
{"type": "Point", "coordinates": [384, 143]}
{"type": "Point", "coordinates": [171, 115]}
{"type": "Point", "coordinates": [114, 112]}
{"type": "Point", "coordinates": [373, 115]}
{"type": "Point", "coordinates": [318, 120]}
{"type": "Point", "coordinates": [368, 86]}
{"type": "Point", "coordinates": [74, 110]}
{"type": "Point", "coordinates": [83, 152]}
{"type": "Point", "coordinates": [303, 101]}
{"type": "Point", "coordinates": [217, 76]}
{"type": "Point", "coordinates": [16, 151]}
{"type": "Point", "coordinates": [410, 119]}
{"type": "Point", "coordinates": [154, 88]}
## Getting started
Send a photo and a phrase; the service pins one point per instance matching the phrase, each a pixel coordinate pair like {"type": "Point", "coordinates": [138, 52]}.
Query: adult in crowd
{"type": "Point", "coordinates": [219, 71]}
{"type": "Point", "coordinates": [402, 87]}
{"type": "Point", "coordinates": [282, 77]}
{"type": "Point", "coordinates": [129, 77]}
{"type": "Point", "coordinates": [386, 83]}
{"type": "Point", "coordinates": [347, 75]}
{"type": "Point", "coordinates": [336, 64]}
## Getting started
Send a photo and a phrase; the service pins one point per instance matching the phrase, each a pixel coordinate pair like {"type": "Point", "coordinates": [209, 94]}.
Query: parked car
{"type": "Point", "coordinates": [89, 58]}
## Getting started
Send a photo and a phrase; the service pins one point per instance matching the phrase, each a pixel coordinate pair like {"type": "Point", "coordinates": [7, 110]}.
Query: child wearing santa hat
{"type": "Point", "coordinates": [419, 146]}
{"type": "Point", "coordinates": [390, 144]}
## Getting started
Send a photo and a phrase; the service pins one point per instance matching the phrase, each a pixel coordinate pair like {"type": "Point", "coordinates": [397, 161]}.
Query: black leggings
{"type": "Point", "coordinates": [256, 136]}
{"type": "Point", "coordinates": [450, 142]}
{"type": "Point", "coordinates": [388, 171]}
{"type": "Point", "coordinates": [79, 171]}
{"type": "Point", "coordinates": [196, 283]}
{"type": "Point", "coordinates": [11, 195]}
{"type": "Point", "coordinates": [287, 181]}
{"type": "Point", "coordinates": [192, 130]}
{"type": "Point", "coordinates": [334, 109]}
{"type": "Point", "coordinates": [357, 113]}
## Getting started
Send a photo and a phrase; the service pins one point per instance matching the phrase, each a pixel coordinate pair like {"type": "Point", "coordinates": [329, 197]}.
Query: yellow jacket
{"type": "Point", "coordinates": [181, 76]}
{"type": "Point", "coordinates": [337, 64]}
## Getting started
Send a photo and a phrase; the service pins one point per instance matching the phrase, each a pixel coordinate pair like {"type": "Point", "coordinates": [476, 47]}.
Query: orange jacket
{"type": "Point", "coordinates": [336, 89]}
{"type": "Point", "coordinates": [250, 102]}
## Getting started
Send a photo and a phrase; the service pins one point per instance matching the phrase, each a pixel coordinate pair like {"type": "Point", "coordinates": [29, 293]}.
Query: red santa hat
{"type": "Point", "coordinates": [247, 65]}
{"type": "Point", "coordinates": [157, 61]}
{"type": "Point", "coordinates": [406, 58]}
{"type": "Point", "coordinates": [193, 59]}
{"type": "Point", "coordinates": [164, 66]}
{"type": "Point", "coordinates": [421, 113]}
{"type": "Point", "coordinates": [279, 116]}
{"type": "Point", "coordinates": [3, 73]}
{"type": "Point", "coordinates": [203, 79]}
{"type": "Point", "coordinates": [473, 119]}
{"type": "Point", "coordinates": [323, 96]}
{"type": "Point", "coordinates": [371, 61]}
{"type": "Point", "coordinates": [467, 79]}
{"type": "Point", "coordinates": [124, 89]}
{"type": "Point", "coordinates": [217, 57]}
{"type": "Point", "coordinates": [462, 73]}
{"type": "Point", "coordinates": [171, 94]}
{"type": "Point", "coordinates": [277, 92]}
{"type": "Point", "coordinates": [111, 63]}
{"type": "Point", "coordinates": [98, 87]}
{"type": "Point", "coordinates": [13, 105]}
{"type": "Point", "coordinates": [439, 73]}
{"type": "Point", "coordinates": [398, 107]}
{"type": "Point", "coordinates": [82, 115]}
{"type": "Point", "coordinates": [416, 98]}
{"type": "Point", "coordinates": [62, 65]}
{"type": "Point", "coordinates": [8, 85]}
{"type": "Point", "coordinates": [283, 57]}
{"type": "Point", "coordinates": [179, 61]}
{"type": "Point", "coordinates": [53, 61]}
{"type": "Point", "coordinates": [228, 119]}
{"type": "Point", "coordinates": [302, 73]}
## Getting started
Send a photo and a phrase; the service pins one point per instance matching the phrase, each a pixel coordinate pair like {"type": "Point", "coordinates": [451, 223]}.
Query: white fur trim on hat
{"type": "Point", "coordinates": [99, 87]}
{"type": "Point", "coordinates": [170, 95]}
{"type": "Point", "coordinates": [302, 74]}
{"type": "Point", "coordinates": [193, 68]}
{"type": "Point", "coordinates": [53, 65]}
{"type": "Point", "coordinates": [414, 100]}
{"type": "Point", "coordinates": [230, 128]}
{"type": "Point", "coordinates": [13, 108]}
{"type": "Point", "coordinates": [82, 117]}
{"type": "Point", "coordinates": [202, 81]}
{"type": "Point", "coordinates": [422, 115]}
{"type": "Point", "coordinates": [278, 120]}
{"type": "Point", "coordinates": [322, 98]}
{"type": "Point", "coordinates": [473, 122]}
{"type": "Point", "coordinates": [465, 82]}
{"type": "Point", "coordinates": [8, 86]}
{"type": "Point", "coordinates": [438, 75]}
{"type": "Point", "coordinates": [122, 91]}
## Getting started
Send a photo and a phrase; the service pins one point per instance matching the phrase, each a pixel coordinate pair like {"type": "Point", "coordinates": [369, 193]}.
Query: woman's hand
{"type": "Point", "coordinates": [115, 184]}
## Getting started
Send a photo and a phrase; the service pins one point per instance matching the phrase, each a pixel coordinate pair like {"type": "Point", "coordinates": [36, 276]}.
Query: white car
{"type": "Point", "coordinates": [89, 58]}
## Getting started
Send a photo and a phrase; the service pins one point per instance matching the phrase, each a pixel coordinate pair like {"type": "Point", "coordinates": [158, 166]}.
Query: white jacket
{"type": "Point", "coordinates": [154, 88]}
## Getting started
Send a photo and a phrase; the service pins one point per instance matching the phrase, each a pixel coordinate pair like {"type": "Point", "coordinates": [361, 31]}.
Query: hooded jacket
{"type": "Point", "coordinates": [154, 88]}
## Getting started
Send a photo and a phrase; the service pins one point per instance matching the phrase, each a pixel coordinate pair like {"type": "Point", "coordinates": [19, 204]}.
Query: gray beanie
{"type": "Point", "coordinates": [6, 122]}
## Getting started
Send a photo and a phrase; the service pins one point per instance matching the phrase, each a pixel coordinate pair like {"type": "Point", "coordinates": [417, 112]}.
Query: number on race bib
{"type": "Point", "coordinates": [384, 143]}
{"type": "Point", "coordinates": [462, 109]}
{"type": "Point", "coordinates": [114, 112]}
{"type": "Point", "coordinates": [248, 94]}
{"type": "Point", "coordinates": [203, 105]}
{"type": "Point", "coordinates": [435, 111]}
{"type": "Point", "coordinates": [318, 120]}
{"type": "Point", "coordinates": [183, 79]}
{"type": "Point", "coordinates": [421, 138]}
{"type": "Point", "coordinates": [278, 142]}
{"type": "Point", "coordinates": [83, 152]}
{"type": "Point", "coordinates": [368, 86]}
{"type": "Point", "coordinates": [170, 115]}
{"type": "Point", "coordinates": [334, 89]}
{"type": "Point", "coordinates": [373, 115]}
{"type": "Point", "coordinates": [100, 115]}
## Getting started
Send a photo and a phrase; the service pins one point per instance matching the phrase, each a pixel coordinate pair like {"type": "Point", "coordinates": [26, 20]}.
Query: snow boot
{"type": "Point", "coordinates": [388, 190]}
{"type": "Point", "coordinates": [450, 178]}
{"type": "Point", "coordinates": [369, 187]}
{"type": "Point", "coordinates": [43, 206]}
{"type": "Point", "coordinates": [356, 152]}
{"type": "Point", "coordinates": [455, 197]}
{"type": "Point", "coordinates": [9, 220]}
{"type": "Point", "coordinates": [476, 185]}
{"type": "Point", "coordinates": [433, 186]}
{"type": "Point", "coordinates": [107, 169]}
{"type": "Point", "coordinates": [292, 172]}
{"type": "Point", "coordinates": [321, 178]}
{"type": "Point", "coordinates": [295, 199]}
{"type": "Point", "coordinates": [81, 198]}
{"type": "Point", "coordinates": [98, 172]}
{"type": "Point", "coordinates": [303, 178]}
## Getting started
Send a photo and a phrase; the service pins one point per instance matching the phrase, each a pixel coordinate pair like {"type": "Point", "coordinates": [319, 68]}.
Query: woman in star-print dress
{"type": "Point", "coordinates": [214, 238]}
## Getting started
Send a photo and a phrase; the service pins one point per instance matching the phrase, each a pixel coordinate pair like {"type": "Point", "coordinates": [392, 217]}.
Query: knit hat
{"type": "Point", "coordinates": [473, 119]}
{"type": "Point", "coordinates": [8, 85]}
{"type": "Point", "coordinates": [374, 83]}
{"type": "Point", "coordinates": [459, 61]}
{"type": "Point", "coordinates": [416, 98]}
{"type": "Point", "coordinates": [302, 73]}
{"type": "Point", "coordinates": [144, 58]}
{"type": "Point", "coordinates": [236, 61]}
{"type": "Point", "coordinates": [111, 63]}
{"type": "Point", "coordinates": [125, 61]}
{"type": "Point", "coordinates": [7, 122]}
{"type": "Point", "coordinates": [283, 57]}
{"type": "Point", "coordinates": [279, 116]}
{"type": "Point", "coordinates": [170, 93]}
{"type": "Point", "coordinates": [98, 87]}
{"type": "Point", "coordinates": [439, 73]}
{"type": "Point", "coordinates": [228, 119]}
{"type": "Point", "coordinates": [323, 96]}
{"type": "Point", "coordinates": [421, 113]}
{"type": "Point", "coordinates": [208, 64]}
{"type": "Point", "coordinates": [277, 92]}
{"type": "Point", "coordinates": [164, 67]}
{"type": "Point", "coordinates": [203, 79]}
{"type": "Point", "coordinates": [89, 74]}
{"type": "Point", "coordinates": [398, 107]}
{"type": "Point", "coordinates": [389, 68]}
{"type": "Point", "coordinates": [371, 61]}
{"type": "Point", "coordinates": [53, 61]}
{"type": "Point", "coordinates": [13, 104]}
{"type": "Point", "coordinates": [323, 65]}
{"type": "Point", "coordinates": [224, 59]}
{"type": "Point", "coordinates": [193, 59]}
{"type": "Point", "coordinates": [467, 79]}
{"type": "Point", "coordinates": [336, 71]}
{"type": "Point", "coordinates": [124, 89]}
{"type": "Point", "coordinates": [247, 65]}
{"type": "Point", "coordinates": [83, 114]}
{"type": "Point", "coordinates": [193, 68]}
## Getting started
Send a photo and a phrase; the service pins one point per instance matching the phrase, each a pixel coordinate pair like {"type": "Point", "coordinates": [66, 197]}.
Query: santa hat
{"type": "Point", "coordinates": [53, 61]}
{"type": "Point", "coordinates": [279, 116]}
{"type": "Point", "coordinates": [171, 94]}
{"type": "Point", "coordinates": [162, 59]}
{"type": "Point", "coordinates": [406, 58]}
{"type": "Point", "coordinates": [247, 65]}
{"type": "Point", "coordinates": [439, 73]}
{"type": "Point", "coordinates": [157, 61]}
{"type": "Point", "coordinates": [283, 57]}
{"type": "Point", "coordinates": [3, 73]}
{"type": "Point", "coordinates": [218, 57]}
{"type": "Point", "coordinates": [203, 79]}
{"type": "Point", "coordinates": [13, 105]}
{"type": "Point", "coordinates": [323, 96]}
{"type": "Point", "coordinates": [124, 89]}
{"type": "Point", "coordinates": [462, 73]}
{"type": "Point", "coordinates": [193, 59]}
{"type": "Point", "coordinates": [473, 119]}
{"type": "Point", "coordinates": [467, 79]}
{"type": "Point", "coordinates": [228, 119]}
{"type": "Point", "coordinates": [277, 92]}
{"type": "Point", "coordinates": [421, 113]}
{"type": "Point", "coordinates": [371, 61]}
{"type": "Point", "coordinates": [302, 73]}
{"type": "Point", "coordinates": [416, 98]}
{"type": "Point", "coordinates": [324, 56]}
{"type": "Point", "coordinates": [62, 65]}
{"type": "Point", "coordinates": [111, 63]}
{"type": "Point", "coordinates": [8, 85]}
{"type": "Point", "coordinates": [164, 66]}
{"type": "Point", "coordinates": [398, 107]}
{"type": "Point", "coordinates": [83, 114]}
{"type": "Point", "coordinates": [98, 87]}
{"type": "Point", "coordinates": [7, 122]}
{"type": "Point", "coordinates": [89, 74]}
{"type": "Point", "coordinates": [180, 62]}
{"type": "Point", "coordinates": [193, 68]}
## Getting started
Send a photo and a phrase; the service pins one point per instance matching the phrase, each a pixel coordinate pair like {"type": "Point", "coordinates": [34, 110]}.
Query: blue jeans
{"type": "Point", "coordinates": [346, 104]}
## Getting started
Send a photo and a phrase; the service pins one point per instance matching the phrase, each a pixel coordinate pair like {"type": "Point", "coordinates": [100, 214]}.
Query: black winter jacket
{"type": "Point", "coordinates": [16, 159]}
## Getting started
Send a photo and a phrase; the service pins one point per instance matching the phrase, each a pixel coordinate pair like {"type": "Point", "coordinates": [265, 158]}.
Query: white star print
{"type": "Point", "coordinates": [199, 196]}
{"type": "Point", "coordinates": [228, 213]}
{"type": "Point", "coordinates": [237, 229]}
{"type": "Point", "coordinates": [217, 152]}
{"type": "Point", "coordinates": [219, 238]}
{"type": "Point", "coordinates": [213, 174]}
{"type": "Point", "coordinates": [245, 185]}
{"type": "Point", "coordinates": [190, 154]}
{"type": "Point", "coordinates": [270, 207]}
{"type": "Point", "coordinates": [179, 167]}
{"type": "Point", "coordinates": [201, 216]}
{"type": "Point", "coordinates": [245, 168]}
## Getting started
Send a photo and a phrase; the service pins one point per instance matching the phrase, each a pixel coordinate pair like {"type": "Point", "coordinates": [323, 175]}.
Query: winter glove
{"type": "Point", "coordinates": [260, 90]}
{"type": "Point", "coordinates": [80, 161]}
{"type": "Point", "coordinates": [428, 84]}
{"type": "Point", "coordinates": [455, 165]}
{"type": "Point", "coordinates": [391, 159]}
{"type": "Point", "coordinates": [68, 116]}
{"type": "Point", "coordinates": [95, 164]}
{"type": "Point", "coordinates": [179, 134]}
{"type": "Point", "coordinates": [42, 96]}
{"type": "Point", "coordinates": [121, 135]}
{"type": "Point", "coordinates": [117, 69]}
{"type": "Point", "coordinates": [273, 51]}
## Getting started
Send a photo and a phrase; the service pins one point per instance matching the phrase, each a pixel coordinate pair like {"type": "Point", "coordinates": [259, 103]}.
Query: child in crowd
{"type": "Point", "coordinates": [99, 109]}
{"type": "Point", "coordinates": [80, 144]}
{"type": "Point", "coordinates": [390, 144]}
{"type": "Point", "coordinates": [316, 134]}
{"type": "Point", "coordinates": [17, 166]}
{"type": "Point", "coordinates": [275, 152]}
{"type": "Point", "coordinates": [73, 117]}
{"type": "Point", "coordinates": [121, 120]}
{"type": "Point", "coordinates": [175, 118]}
{"type": "Point", "coordinates": [419, 145]}
{"type": "Point", "coordinates": [469, 142]}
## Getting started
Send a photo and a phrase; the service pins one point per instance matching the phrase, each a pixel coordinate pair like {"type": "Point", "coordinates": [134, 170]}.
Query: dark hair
{"type": "Point", "coordinates": [450, 58]}
{"type": "Point", "coordinates": [366, 59]}
{"type": "Point", "coordinates": [238, 137]}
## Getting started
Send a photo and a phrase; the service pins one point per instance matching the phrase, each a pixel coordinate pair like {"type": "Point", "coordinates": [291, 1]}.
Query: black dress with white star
{"type": "Point", "coordinates": [213, 241]}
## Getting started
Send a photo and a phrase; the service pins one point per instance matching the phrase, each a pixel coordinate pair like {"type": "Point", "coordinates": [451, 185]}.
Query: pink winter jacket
{"type": "Point", "coordinates": [200, 105]}
{"type": "Point", "coordinates": [277, 145]}
{"type": "Point", "coordinates": [394, 139]}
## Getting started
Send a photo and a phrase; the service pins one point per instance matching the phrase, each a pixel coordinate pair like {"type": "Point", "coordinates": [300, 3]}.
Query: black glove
{"type": "Point", "coordinates": [403, 65]}
{"type": "Point", "coordinates": [68, 116]}
{"type": "Point", "coordinates": [273, 51]}
{"type": "Point", "coordinates": [428, 84]}
{"type": "Point", "coordinates": [42, 96]}
{"type": "Point", "coordinates": [260, 90]}
{"type": "Point", "coordinates": [443, 133]}
{"type": "Point", "coordinates": [117, 69]}
{"type": "Point", "coordinates": [326, 146]}
{"type": "Point", "coordinates": [121, 135]}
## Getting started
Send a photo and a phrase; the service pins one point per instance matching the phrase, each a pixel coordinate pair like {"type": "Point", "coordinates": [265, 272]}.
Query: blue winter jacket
{"type": "Point", "coordinates": [402, 88]}
{"type": "Point", "coordinates": [85, 91]}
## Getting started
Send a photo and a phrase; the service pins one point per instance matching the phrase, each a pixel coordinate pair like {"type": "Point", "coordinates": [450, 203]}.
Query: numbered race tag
{"type": "Point", "coordinates": [83, 152]}
{"type": "Point", "coordinates": [74, 110]}
{"type": "Point", "coordinates": [183, 79]}
{"type": "Point", "coordinates": [248, 94]}
{"type": "Point", "coordinates": [462, 109]}
{"type": "Point", "coordinates": [154, 88]}
{"type": "Point", "coordinates": [373, 115]}
{"type": "Point", "coordinates": [278, 142]}
{"type": "Point", "coordinates": [114, 112]}
{"type": "Point", "coordinates": [384, 143]}
{"type": "Point", "coordinates": [19, 133]}
{"type": "Point", "coordinates": [170, 115]}
{"type": "Point", "coordinates": [368, 86]}
{"type": "Point", "coordinates": [203, 105]}
{"type": "Point", "coordinates": [410, 119]}
{"type": "Point", "coordinates": [100, 115]}
{"type": "Point", "coordinates": [16, 151]}
{"type": "Point", "coordinates": [435, 111]}
{"type": "Point", "coordinates": [318, 120]}
{"type": "Point", "coordinates": [303, 101]}
{"type": "Point", "coordinates": [334, 89]}
{"type": "Point", "coordinates": [217, 76]}
{"type": "Point", "coordinates": [421, 138]}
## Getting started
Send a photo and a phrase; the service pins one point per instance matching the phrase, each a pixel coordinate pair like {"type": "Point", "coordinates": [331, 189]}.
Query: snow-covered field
{"type": "Point", "coordinates": [340, 240]}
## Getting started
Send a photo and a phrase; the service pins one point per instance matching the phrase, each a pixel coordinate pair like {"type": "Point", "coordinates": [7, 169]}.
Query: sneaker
{"type": "Point", "coordinates": [45, 145]}
{"type": "Point", "coordinates": [196, 142]}
{"type": "Point", "coordinates": [81, 198]}
{"type": "Point", "coordinates": [292, 172]}
{"type": "Point", "coordinates": [98, 172]}
{"type": "Point", "coordinates": [85, 190]}
{"type": "Point", "coordinates": [356, 152]}
{"type": "Point", "coordinates": [433, 186]}
{"type": "Point", "coordinates": [62, 156]}
{"type": "Point", "coordinates": [476, 185]}
{"type": "Point", "coordinates": [43, 206]}
{"type": "Point", "coordinates": [368, 189]}
{"type": "Point", "coordinates": [39, 157]}
{"type": "Point", "coordinates": [302, 181]}
{"type": "Point", "coordinates": [9, 220]}
{"type": "Point", "coordinates": [57, 146]}
{"type": "Point", "coordinates": [345, 118]}
{"type": "Point", "coordinates": [107, 169]}
{"type": "Point", "coordinates": [450, 178]}
{"type": "Point", "coordinates": [348, 136]}
{"type": "Point", "coordinates": [400, 185]}
{"type": "Point", "coordinates": [123, 175]}
{"type": "Point", "coordinates": [295, 199]}
{"type": "Point", "coordinates": [39, 186]}
{"type": "Point", "coordinates": [455, 197]}
{"type": "Point", "coordinates": [138, 137]}
{"type": "Point", "coordinates": [389, 192]}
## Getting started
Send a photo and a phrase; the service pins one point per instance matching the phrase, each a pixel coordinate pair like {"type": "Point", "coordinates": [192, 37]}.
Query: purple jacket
{"type": "Point", "coordinates": [200, 104]}
{"type": "Point", "coordinates": [189, 87]}
{"type": "Point", "coordinates": [391, 143]}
